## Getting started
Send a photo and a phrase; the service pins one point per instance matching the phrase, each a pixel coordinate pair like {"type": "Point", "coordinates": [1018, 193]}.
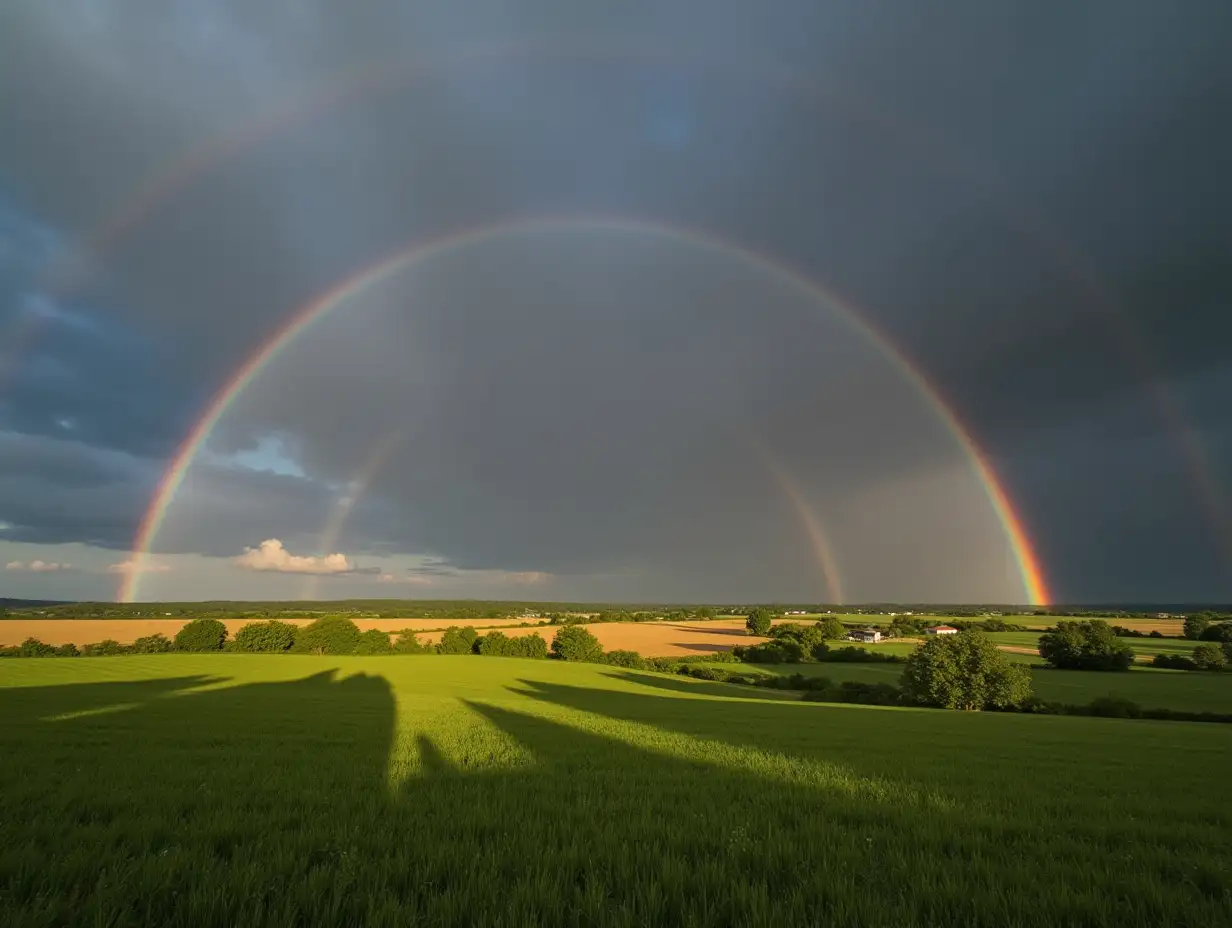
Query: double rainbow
{"type": "Point", "coordinates": [1034, 585]}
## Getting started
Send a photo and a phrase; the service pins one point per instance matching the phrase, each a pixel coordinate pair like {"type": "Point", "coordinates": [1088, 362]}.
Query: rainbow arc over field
{"type": "Point", "coordinates": [1029, 567]}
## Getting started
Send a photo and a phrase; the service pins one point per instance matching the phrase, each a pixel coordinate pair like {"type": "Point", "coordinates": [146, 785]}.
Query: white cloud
{"type": "Point", "coordinates": [529, 577]}
{"type": "Point", "coordinates": [38, 567]}
{"type": "Point", "coordinates": [131, 566]}
{"type": "Point", "coordinates": [272, 556]}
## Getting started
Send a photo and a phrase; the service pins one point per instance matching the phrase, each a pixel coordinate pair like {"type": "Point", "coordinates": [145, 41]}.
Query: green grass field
{"type": "Point", "coordinates": [238, 789]}
{"type": "Point", "coordinates": [1150, 688]}
{"type": "Point", "coordinates": [1142, 647]}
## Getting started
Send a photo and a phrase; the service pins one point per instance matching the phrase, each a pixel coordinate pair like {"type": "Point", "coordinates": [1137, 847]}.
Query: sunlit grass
{"type": "Point", "coordinates": [234, 789]}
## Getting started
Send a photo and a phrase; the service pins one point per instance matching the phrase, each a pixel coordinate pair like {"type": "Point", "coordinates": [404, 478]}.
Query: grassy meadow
{"type": "Point", "coordinates": [1150, 688]}
{"type": "Point", "coordinates": [249, 789]}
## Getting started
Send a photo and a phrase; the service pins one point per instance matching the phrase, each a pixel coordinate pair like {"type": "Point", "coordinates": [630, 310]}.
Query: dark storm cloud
{"type": "Point", "coordinates": [1032, 202]}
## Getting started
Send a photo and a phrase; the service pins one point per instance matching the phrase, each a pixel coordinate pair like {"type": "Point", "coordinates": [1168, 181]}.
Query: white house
{"type": "Point", "coordinates": [867, 635]}
{"type": "Point", "coordinates": [941, 630]}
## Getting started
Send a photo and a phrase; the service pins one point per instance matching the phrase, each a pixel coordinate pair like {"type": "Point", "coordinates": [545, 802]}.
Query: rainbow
{"type": "Point", "coordinates": [1028, 563]}
{"type": "Point", "coordinates": [153, 192]}
{"type": "Point", "coordinates": [818, 538]}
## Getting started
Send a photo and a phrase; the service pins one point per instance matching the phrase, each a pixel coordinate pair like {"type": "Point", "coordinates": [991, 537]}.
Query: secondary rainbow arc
{"type": "Point", "coordinates": [1029, 567]}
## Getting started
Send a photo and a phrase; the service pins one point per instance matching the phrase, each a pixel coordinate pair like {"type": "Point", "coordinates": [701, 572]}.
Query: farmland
{"type": "Point", "coordinates": [1155, 689]}
{"type": "Point", "coordinates": [238, 789]}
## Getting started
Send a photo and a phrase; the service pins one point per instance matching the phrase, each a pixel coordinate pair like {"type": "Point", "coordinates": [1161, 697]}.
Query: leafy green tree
{"type": "Point", "coordinates": [408, 643]}
{"type": "Point", "coordinates": [67, 650]}
{"type": "Point", "coordinates": [832, 629]}
{"type": "Point", "coordinates": [1195, 625]}
{"type": "Point", "coordinates": [964, 671]}
{"type": "Point", "coordinates": [266, 637]}
{"type": "Point", "coordinates": [108, 647]}
{"type": "Point", "coordinates": [494, 644]}
{"type": "Point", "coordinates": [760, 621]}
{"type": "Point", "coordinates": [152, 644]}
{"type": "Point", "coordinates": [1088, 645]}
{"type": "Point", "coordinates": [327, 636]}
{"type": "Point", "coordinates": [32, 647]}
{"type": "Point", "coordinates": [201, 635]}
{"type": "Point", "coordinates": [457, 640]}
{"type": "Point", "coordinates": [1209, 657]}
{"type": "Point", "coordinates": [373, 641]}
{"type": "Point", "coordinates": [532, 646]}
{"type": "Point", "coordinates": [1221, 632]}
{"type": "Point", "coordinates": [575, 643]}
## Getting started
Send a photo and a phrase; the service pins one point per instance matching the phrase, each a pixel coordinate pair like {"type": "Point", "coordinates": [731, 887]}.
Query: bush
{"type": "Point", "coordinates": [853, 655]}
{"type": "Point", "coordinates": [832, 629]}
{"type": "Point", "coordinates": [265, 637]}
{"type": "Point", "coordinates": [493, 644]}
{"type": "Point", "coordinates": [575, 643]}
{"type": "Point", "coordinates": [201, 635]}
{"type": "Point", "coordinates": [663, 664]}
{"type": "Point", "coordinates": [779, 651]}
{"type": "Point", "coordinates": [1209, 657]}
{"type": "Point", "coordinates": [1221, 632]}
{"type": "Point", "coordinates": [32, 647]}
{"type": "Point", "coordinates": [108, 647]}
{"type": "Point", "coordinates": [1173, 662]}
{"type": "Point", "coordinates": [1195, 625]}
{"type": "Point", "coordinates": [760, 621]}
{"type": "Point", "coordinates": [1114, 707]}
{"type": "Point", "coordinates": [373, 641]}
{"type": "Point", "coordinates": [327, 636]}
{"type": "Point", "coordinates": [853, 691]}
{"type": "Point", "coordinates": [408, 643]}
{"type": "Point", "coordinates": [152, 644]}
{"type": "Point", "coordinates": [69, 650]}
{"type": "Point", "coordinates": [457, 640]}
{"type": "Point", "coordinates": [532, 646]}
{"type": "Point", "coordinates": [964, 671]}
{"type": "Point", "coordinates": [1089, 645]}
{"type": "Point", "coordinates": [624, 659]}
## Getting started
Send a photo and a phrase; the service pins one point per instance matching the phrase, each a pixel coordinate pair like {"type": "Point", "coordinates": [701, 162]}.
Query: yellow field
{"type": "Point", "coordinates": [126, 631]}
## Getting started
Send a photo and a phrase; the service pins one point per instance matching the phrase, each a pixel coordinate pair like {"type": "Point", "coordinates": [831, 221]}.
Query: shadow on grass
{"type": "Point", "coordinates": [42, 702]}
{"type": "Point", "coordinates": [694, 687]}
{"type": "Point", "coordinates": [704, 648]}
{"type": "Point", "coordinates": [269, 803]}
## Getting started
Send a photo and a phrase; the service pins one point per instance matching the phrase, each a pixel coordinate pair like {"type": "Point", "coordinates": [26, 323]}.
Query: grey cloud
{"type": "Point", "coordinates": [1013, 195]}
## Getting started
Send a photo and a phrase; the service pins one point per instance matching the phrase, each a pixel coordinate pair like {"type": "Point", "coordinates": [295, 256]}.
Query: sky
{"type": "Point", "coordinates": [655, 302]}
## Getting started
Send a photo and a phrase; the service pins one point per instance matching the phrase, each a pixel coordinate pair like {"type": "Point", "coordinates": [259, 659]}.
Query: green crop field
{"type": "Point", "coordinates": [245, 790]}
{"type": "Point", "coordinates": [1150, 688]}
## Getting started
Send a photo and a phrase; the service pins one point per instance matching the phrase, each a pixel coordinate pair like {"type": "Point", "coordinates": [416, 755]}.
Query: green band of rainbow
{"type": "Point", "coordinates": [1033, 581]}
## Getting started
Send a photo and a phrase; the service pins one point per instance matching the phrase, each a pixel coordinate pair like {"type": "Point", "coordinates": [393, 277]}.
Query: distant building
{"type": "Point", "coordinates": [867, 635]}
{"type": "Point", "coordinates": [941, 630]}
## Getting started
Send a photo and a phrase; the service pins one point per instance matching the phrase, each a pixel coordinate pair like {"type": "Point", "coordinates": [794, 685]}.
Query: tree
{"type": "Point", "coordinates": [1221, 632]}
{"type": "Point", "coordinates": [32, 647]}
{"type": "Point", "coordinates": [201, 635]}
{"type": "Point", "coordinates": [457, 640]}
{"type": "Point", "coordinates": [575, 643]}
{"type": "Point", "coordinates": [1209, 657]}
{"type": "Point", "coordinates": [1089, 645]}
{"type": "Point", "coordinates": [153, 644]}
{"type": "Point", "coordinates": [532, 646]}
{"type": "Point", "coordinates": [832, 629]}
{"type": "Point", "coordinates": [373, 641]}
{"type": "Point", "coordinates": [327, 636]}
{"type": "Point", "coordinates": [265, 637]}
{"type": "Point", "coordinates": [1195, 625]}
{"type": "Point", "coordinates": [408, 643]}
{"type": "Point", "coordinates": [964, 671]}
{"type": "Point", "coordinates": [760, 621]}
